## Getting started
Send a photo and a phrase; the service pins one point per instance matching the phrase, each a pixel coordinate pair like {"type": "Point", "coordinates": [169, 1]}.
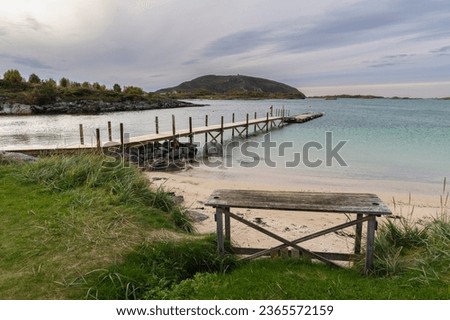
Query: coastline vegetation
{"type": "Point", "coordinates": [36, 91]}
{"type": "Point", "coordinates": [83, 227]}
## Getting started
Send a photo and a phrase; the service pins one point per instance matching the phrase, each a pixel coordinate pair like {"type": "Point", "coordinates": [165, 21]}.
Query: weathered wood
{"type": "Point", "coordinates": [122, 140]}
{"type": "Point", "coordinates": [81, 135]}
{"type": "Point", "coordinates": [371, 226]}
{"type": "Point", "coordinates": [174, 131]}
{"type": "Point", "coordinates": [227, 224]}
{"type": "Point", "coordinates": [191, 136]}
{"type": "Point", "coordinates": [310, 237]}
{"type": "Point", "coordinates": [281, 239]}
{"type": "Point", "coordinates": [267, 122]}
{"type": "Point", "coordinates": [155, 137]}
{"type": "Point", "coordinates": [336, 256]}
{"type": "Point", "coordinates": [221, 130]}
{"type": "Point", "coordinates": [97, 137]}
{"type": "Point", "coordinates": [232, 130]}
{"type": "Point", "coordinates": [206, 125]}
{"type": "Point", "coordinates": [299, 201]}
{"type": "Point", "coordinates": [304, 117]}
{"type": "Point", "coordinates": [156, 125]}
{"type": "Point", "coordinates": [109, 131]}
{"type": "Point", "coordinates": [246, 126]}
{"type": "Point", "coordinates": [358, 234]}
{"type": "Point", "coordinates": [219, 224]}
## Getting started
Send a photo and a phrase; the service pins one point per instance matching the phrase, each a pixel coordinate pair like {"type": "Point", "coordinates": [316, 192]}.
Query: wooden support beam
{"type": "Point", "coordinates": [221, 130]}
{"type": "Point", "coordinates": [254, 127]}
{"type": "Point", "coordinates": [267, 122]}
{"type": "Point", "coordinates": [281, 239]}
{"type": "Point", "coordinates": [156, 125]}
{"type": "Point", "coordinates": [219, 224]}
{"type": "Point", "coordinates": [371, 226]}
{"type": "Point", "coordinates": [97, 137]}
{"type": "Point", "coordinates": [191, 136]}
{"type": "Point", "coordinates": [246, 127]}
{"type": "Point", "coordinates": [232, 130]}
{"type": "Point", "coordinates": [81, 135]}
{"type": "Point", "coordinates": [206, 124]}
{"type": "Point", "coordinates": [109, 131]}
{"type": "Point", "coordinates": [358, 234]}
{"type": "Point", "coordinates": [309, 237]}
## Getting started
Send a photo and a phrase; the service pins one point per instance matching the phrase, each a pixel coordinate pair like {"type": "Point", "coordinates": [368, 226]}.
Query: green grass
{"type": "Point", "coordinates": [84, 228]}
{"type": "Point", "coordinates": [63, 217]}
{"type": "Point", "coordinates": [298, 279]}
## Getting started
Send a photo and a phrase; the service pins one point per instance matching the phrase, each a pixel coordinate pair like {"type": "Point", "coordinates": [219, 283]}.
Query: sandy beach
{"type": "Point", "coordinates": [407, 199]}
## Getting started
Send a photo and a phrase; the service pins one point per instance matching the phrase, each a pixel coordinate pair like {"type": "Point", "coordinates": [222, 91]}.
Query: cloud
{"type": "Point", "coordinates": [26, 61]}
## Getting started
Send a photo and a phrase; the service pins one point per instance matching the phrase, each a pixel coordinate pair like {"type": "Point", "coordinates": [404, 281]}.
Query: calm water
{"type": "Point", "coordinates": [403, 140]}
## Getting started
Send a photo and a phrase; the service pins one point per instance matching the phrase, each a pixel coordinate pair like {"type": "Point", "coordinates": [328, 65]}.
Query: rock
{"type": "Point", "coordinates": [15, 156]}
{"type": "Point", "coordinates": [197, 216]}
{"type": "Point", "coordinates": [178, 199]}
{"type": "Point", "coordinates": [89, 106]}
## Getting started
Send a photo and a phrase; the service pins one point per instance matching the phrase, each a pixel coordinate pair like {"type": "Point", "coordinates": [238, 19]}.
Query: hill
{"type": "Point", "coordinates": [232, 87]}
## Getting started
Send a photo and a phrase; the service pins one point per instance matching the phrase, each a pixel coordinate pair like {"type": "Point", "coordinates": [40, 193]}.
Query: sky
{"type": "Point", "coordinates": [321, 47]}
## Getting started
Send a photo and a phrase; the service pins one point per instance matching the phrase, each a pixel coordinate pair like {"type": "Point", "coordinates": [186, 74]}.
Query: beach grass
{"type": "Point", "coordinates": [65, 216]}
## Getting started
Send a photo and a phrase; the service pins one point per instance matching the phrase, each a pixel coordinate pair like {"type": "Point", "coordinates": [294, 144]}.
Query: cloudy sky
{"type": "Point", "coordinates": [386, 47]}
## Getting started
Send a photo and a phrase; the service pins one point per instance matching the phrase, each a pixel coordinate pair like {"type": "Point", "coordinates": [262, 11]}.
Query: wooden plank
{"type": "Point", "coordinates": [299, 201]}
{"type": "Point", "coordinates": [281, 239]}
{"type": "Point", "coordinates": [336, 256]}
{"type": "Point", "coordinates": [311, 236]}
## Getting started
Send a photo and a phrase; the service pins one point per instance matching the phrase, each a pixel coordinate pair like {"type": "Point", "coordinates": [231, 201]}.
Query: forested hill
{"type": "Point", "coordinates": [233, 87]}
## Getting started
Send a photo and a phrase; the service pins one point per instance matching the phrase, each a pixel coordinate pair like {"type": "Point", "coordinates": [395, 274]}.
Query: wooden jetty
{"type": "Point", "coordinates": [214, 133]}
{"type": "Point", "coordinates": [304, 117]}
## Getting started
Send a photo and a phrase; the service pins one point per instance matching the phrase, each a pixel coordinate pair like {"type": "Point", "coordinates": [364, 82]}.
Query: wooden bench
{"type": "Point", "coordinates": [367, 208]}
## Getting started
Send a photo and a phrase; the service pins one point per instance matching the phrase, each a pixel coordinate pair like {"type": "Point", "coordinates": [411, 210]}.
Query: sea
{"type": "Point", "coordinates": [398, 140]}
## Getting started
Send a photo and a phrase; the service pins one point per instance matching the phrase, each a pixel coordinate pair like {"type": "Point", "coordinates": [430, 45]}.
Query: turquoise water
{"type": "Point", "coordinates": [402, 140]}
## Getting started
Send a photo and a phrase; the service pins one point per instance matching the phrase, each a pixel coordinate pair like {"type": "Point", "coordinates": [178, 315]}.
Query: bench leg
{"type": "Point", "coordinates": [371, 226]}
{"type": "Point", "coordinates": [358, 234]}
{"type": "Point", "coordinates": [219, 224]}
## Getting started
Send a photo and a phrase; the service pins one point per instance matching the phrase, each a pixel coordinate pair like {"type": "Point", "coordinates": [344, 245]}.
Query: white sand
{"type": "Point", "coordinates": [195, 185]}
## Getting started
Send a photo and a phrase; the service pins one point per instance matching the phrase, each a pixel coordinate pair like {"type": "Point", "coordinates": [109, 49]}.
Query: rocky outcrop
{"type": "Point", "coordinates": [89, 107]}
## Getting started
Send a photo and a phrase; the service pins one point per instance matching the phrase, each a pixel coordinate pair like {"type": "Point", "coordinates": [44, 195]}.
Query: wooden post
{"type": "Point", "coordinates": [232, 130]}
{"type": "Point", "coordinates": [371, 226]}
{"type": "Point", "coordinates": [206, 124]}
{"type": "Point", "coordinates": [358, 234]}
{"type": "Point", "coordinates": [221, 130]}
{"type": "Point", "coordinates": [227, 225]}
{"type": "Point", "coordinates": [122, 141]}
{"type": "Point", "coordinates": [191, 136]}
{"type": "Point", "coordinates": [254, 127]}
{"type": "Point", "coordinates": [219, 223]}
{"type": "Point", "coordinates": [97, 136]}
{"type": "Point", "coordinates": [81, 135]}
{"type": "Point", "coordinates": [267, 122]}
{"type": "Point", "coordinates": [109, 131]}
{"type": "Point", "coordinates": [282, 114]}
{"type": "Point", "coordinates": [271, 110]}
{"type": "Point", "coordinates": [173, 126]}
{"type": "Point", "coordinates": [157, 125]}
{"type": "Point", "coordinates": [246, 127]}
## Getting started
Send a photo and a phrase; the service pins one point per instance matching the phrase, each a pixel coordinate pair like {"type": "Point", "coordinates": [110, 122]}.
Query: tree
{"type": "Point", "coordinates": [50, 82]}
{"type": "Point", "coordinates": [86, 85]}
{"type": "Point", "coordinates": [13, 76]}
{"type": "Point", "coordinates": [133, 90]}
{"type": "Point", "coordinates": [64, 82]}
{"type": "Point", "coordinates": [33, 78]}
{"type": "Point", "coordinates": [117, 88]}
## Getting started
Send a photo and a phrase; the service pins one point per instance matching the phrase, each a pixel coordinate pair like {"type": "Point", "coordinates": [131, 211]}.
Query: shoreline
{"type": "Point", "coordinates": [195, 185]}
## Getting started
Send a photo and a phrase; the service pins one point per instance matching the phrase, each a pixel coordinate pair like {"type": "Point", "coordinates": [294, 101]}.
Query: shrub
{"type": "Point", "coordinates": [12, 76]}
{"type": "Point", "coordinates": [33, 78]}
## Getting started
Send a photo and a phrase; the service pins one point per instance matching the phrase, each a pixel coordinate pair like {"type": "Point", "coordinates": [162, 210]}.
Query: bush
{"type": "Point", "coordinates": [12, 76]}
{"type": "Point", "coordinates": [34, 79]}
